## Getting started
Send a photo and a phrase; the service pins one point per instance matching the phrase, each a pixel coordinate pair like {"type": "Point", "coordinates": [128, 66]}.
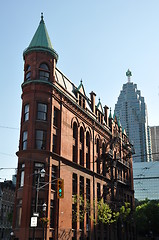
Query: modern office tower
{"type": "Point", "coordinates": [146, 180]}
{"type": "Point", "coordinates": [155, 142]}
{"type": "Point", "coordinates": [71, 155]}
{"type": "Point", "coordinates": [131, 109]}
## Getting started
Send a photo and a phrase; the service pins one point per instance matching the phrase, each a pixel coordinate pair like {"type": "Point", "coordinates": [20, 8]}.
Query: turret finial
{"type": "Point", "coordinates": [42, 17]}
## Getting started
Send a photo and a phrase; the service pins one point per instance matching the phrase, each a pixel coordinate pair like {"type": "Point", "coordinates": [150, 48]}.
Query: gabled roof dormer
{"type": "Point", "coordinates": [99, 112]}
{"type": "Point", "coordinates": [81, 96]}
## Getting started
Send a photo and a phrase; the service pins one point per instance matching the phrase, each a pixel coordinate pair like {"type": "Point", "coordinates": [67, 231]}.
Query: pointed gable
{"type": "Point", "coordinates": [81, 89]}
{"type": "Point", "coordinates": [99, 106]}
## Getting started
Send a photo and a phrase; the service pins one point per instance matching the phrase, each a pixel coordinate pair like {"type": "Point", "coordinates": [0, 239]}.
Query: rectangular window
{"type": "Point", "coordinates": [19, 213]}
{"type": "Point", "coordinates": [105, 192]}
{"type": "Point", "coordinates": [42, 111]}
{"type": "Point", "coordinates": [74, 184]}
{"type": "Point", "coordinates": [26, 112]}
{"type": "Point", "coordinates": [53, 177]}
{"type": "Point", "coordinates": [22, 178]}
{"type": "Point", "coordinates": [83, 103]}
{"type": "Point", "coordinates": [52, 214]}
{"type": "Point", "coordinates": [80, 100]}
{"type": "Point", "coordinates": [81, 186]}
{"type": "Point", "coordinates": [40, 139]}
{"type": "Point", "coordinates": [21, 183]}
{"type": "Point", "coordinates": [75, 154]}
{"type": "Point", "coordinates": [87, 161]}
{"type": "Point", "coordinates": [98, 192]}
{"type": "Point", "coordinates": [82, 202]}
{"type": "Point", "coordinates": [88, 189]}
{"type": "Point", "coordinates": [81, 158]}
{"type": "Point", "coordinates": [74, 203]}
{"type": "Point", "coordinates": [24, 140]}
{"type": "Point", "coordinates": [54, 143]}
{"type": "Point", "coordinates": [56, 119]}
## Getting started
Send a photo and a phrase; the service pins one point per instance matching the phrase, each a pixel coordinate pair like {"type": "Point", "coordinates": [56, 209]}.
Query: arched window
{"type": "Point", "coordinates": [28, 73]}
{"type": "Point", "coordinates": [75, 137]}
{"type": "Point", "coordinates": [103, 148]}
{"type": "Point", "coordinates": [82, 146]}
{"type": "Point", "coordinates": [98, 156]}
{"type": "Point", "coordinates": [88, 150]}
{"type": "Point", "coordinates": [44, 72]}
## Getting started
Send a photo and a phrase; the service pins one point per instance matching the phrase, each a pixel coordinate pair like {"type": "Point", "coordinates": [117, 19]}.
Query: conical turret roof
{"type": "Point", "coordinates": [41, 41]}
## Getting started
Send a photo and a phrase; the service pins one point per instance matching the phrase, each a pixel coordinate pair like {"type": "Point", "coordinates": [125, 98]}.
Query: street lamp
{"type": "Point", "coordinates": [44, 211]}
{"type": "Point", "coordinates": [39, 174]}
{"type": "Point", "coordinates": [12, 235]}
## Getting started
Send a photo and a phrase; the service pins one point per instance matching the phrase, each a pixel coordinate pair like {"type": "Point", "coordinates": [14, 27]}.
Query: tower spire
{"type": "Point", "coordinates": [128, 74]}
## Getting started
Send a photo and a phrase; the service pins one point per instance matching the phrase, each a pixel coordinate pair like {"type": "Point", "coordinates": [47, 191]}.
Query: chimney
{"type": "Point", "coordinates": [93, 95]}
{"type": "Point", "coordinates": [106, 114]}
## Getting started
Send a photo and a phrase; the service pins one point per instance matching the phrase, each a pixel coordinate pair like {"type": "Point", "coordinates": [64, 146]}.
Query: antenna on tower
{"type": "Point", "coordinates": [128, 74]}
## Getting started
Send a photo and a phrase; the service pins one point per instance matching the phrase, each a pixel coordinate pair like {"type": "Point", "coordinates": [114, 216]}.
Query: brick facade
{"type": "Point", "coordinates": [64, 132]}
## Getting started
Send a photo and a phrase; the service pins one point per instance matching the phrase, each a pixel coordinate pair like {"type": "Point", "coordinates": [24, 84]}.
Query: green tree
{"type": "Point", "coordinates": [105, 214]}
{"type": "Point", "coordinates": [147, 215]}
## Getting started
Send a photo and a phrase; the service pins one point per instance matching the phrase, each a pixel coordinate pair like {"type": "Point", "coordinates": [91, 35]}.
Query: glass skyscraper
{"type": "Point", "coordinates": [146, 180]}
{"type": "Point", "coordinates": [132, 111]}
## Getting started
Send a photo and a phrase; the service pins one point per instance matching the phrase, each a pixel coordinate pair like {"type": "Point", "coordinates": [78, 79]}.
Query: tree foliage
{"type": "Point", "coordinates": [105, 214]}
{"type": "Point", "coordinates": [147, 216]}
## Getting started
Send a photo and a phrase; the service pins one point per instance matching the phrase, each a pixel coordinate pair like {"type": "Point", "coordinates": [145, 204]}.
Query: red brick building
{"type": "Point", "coordinates": [64, 132]}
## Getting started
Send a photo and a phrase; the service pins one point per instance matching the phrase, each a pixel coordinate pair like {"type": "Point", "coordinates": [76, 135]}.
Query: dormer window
{"type": "Point", "coordinates": [44, 72]}
{"type": "Point", "coordinates": [28, 73]}
{"type": "Point", "coordinates": [80, 100]}
{"type": "Point", "coordinates": [83, 103]}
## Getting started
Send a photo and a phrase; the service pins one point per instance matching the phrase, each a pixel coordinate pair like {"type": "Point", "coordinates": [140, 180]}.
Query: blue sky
{"type": "Point", "coordinates": [97, 41]}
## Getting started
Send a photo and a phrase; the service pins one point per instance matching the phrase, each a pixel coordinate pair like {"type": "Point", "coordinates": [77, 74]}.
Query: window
{"type": "Point", "coordinates": [56, 117]}
{"type": "Point", "coordinates": [105, 192]}
{"type": "Point", "coordinates": [24, 140]}
{"type": "Point", "coordinates": [84, 103]}
{"type": "Point", "coordinates": [82, 202]}
{"type": "Point", "coordinates": [21, 184]}
{"type": "Point", "coordinates": [26, 112]}
{"type": "Point", "coordinates": [98, 156]}
{"type": "Point", "coordinates": [42, 111]}
{"type": "Point", "coordinates": [81, 186]}
{"type": "Point", "coordinates": [22, 178]}
{"type": "Point", "coordinates": [74, 204]}
{"type": "Point", "coordinates": [88, 202]}
{"type": "Point", "coordinates": [88, 150]}
{"type": "Point", "coordinates": [53, 177]}
{"type": "Point", "coordinates": [88, 189]}
{"type": "Point", "coordinates": [44, 73]}
{"type": "Point", "coordinates": [54, 147]}
{"type": "Point", "coordinates": [52, 214]}
{"type": "Point", "coordinates": [80, 100]}
{"type": "Point", "coordinates": [40, 139]}
{"type": "Point", "coordinates": [82, 147]}
{"type": "Point", "coordinates": [56, 136]}
{"type": "Point", "coordinates": [28, 73]}
{"type": "Point", "coordinates": [19, 213]}
{"type": "Point", "coordinates": [98, 192]}
{"type": "Point", "coordinates": [75, 137]}
{"type": "Point", "coordinates": [74, 184]}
